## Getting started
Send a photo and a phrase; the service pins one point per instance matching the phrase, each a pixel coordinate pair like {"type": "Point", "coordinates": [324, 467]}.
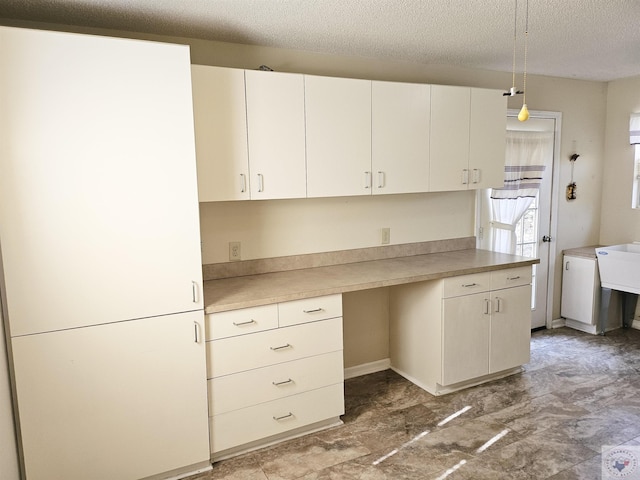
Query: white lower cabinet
{"type": "Point", "coordinates": [580, 304]}
{"type": "Point", "coordinates": [446, 334]}
{"type": "Point", "coordinates": [268, 380]}
{"type": "Point", "coordinates": [123, 400]}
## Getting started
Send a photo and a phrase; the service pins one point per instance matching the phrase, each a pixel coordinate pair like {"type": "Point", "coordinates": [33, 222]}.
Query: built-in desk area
{"type": "Point", "coordinates": [458, 316]}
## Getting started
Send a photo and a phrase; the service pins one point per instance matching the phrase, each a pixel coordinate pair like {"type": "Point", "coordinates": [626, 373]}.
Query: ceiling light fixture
{"type": "Point", "coordinates": [524, 112]}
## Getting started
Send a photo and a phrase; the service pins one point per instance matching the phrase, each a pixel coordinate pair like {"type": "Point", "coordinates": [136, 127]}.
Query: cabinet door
{"type": "Point", "coordinates": [465, 338]}
{"type": "Point", "coordinates": [126, 400]}
{"type": "Point", "coordinates": [275, 123]}
{"type": "Point", "coordinates": [338, 122]}
{"type": "Point", "coordinates": [221, 133]}
{"type": "Point", "coordinates": [487, 131]}
{"type": "Point", "coordinates": [98, 196]}
{"type": "Point", "coordinates": [579, 284]}
{"type": "Point", "coordinates": [400, 118]}
{"type": "Point", "coordinates": [449, 158]}
{"type": "Point", "coordinates": [510, 328]}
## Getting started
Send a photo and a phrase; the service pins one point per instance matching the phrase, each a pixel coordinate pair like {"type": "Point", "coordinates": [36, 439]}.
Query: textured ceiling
{"type": "Point", "coordinates": [585, 39]}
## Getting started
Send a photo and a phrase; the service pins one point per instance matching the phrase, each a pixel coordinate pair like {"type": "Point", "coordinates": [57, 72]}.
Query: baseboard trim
{"type": "Point", "coordinates": [367, 368]}
{"type": "Point", "coordinates": [558, 322]}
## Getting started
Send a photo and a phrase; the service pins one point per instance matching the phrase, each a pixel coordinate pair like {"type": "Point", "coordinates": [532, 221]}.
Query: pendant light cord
{"type": "Point", "coordinates": [515, 38]}
{"type": "Point", "coordinates": [526, 35]}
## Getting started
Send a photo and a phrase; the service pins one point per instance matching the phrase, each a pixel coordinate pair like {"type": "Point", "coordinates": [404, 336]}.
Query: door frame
{"type": "Point", "coordinates": [553, 221]}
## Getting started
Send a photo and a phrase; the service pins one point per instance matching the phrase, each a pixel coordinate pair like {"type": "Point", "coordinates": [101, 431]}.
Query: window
{"type": "Point", "coordinates": [527, 241]}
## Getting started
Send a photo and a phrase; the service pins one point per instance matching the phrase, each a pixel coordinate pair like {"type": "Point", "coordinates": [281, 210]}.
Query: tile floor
{"type": "Point", "coordinates": [578, 393]}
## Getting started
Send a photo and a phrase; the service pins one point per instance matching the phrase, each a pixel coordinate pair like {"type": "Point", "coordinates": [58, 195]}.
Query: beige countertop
{"type": "Point", "coordinates": [267, 288]}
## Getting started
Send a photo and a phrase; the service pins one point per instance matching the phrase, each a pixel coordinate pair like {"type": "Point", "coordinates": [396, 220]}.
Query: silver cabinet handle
{"type": "Point", "coordinates": [382, 180]}
{"type": "Point", "coordinates": [282, 417]}
{"type": "Point", "coordinates": [514, 278]}
{"type": "Point", "coordinates": [476, 175]}
{"type": "Point", "coordinates": [243, 183]}
{"type": "Point", "coordinates": [248, 322]}
{"type": "Point", "coordinates": [367, 179]}
{"type": "Point", "coordinates": [465, 176]}
{"type": "Point", "coordinates": [196, 331]}
{"type": "Point", "coordinates": [319, 309]}
{"type": "Point", "coordinates": [260, 182]}
{"type": "Point", "coordinates": [498, 304]}
{"type": "Point", "coordinates": [194, 291]}
{"type": "Point", "coordinates": [566, 267]}
{"type": "Point", "coordinates": [469, 285]}
{"type": "Point", "coordinates": [281, 347]}
{"type": "Point", "coordinates": [285, 382]}
{"type": "Point", "coordinates": [487, 306]}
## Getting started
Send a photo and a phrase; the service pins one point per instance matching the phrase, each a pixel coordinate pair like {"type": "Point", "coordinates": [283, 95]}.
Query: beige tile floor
{"type": "Point", "coordinates": [578, 393]}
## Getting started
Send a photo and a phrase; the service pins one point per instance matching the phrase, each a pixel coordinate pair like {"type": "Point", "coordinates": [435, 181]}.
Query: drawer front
{"type": "Point", "coordinates": [246, 352]}
{"type": "Point", "coordinates": [466, 284]}
{"type": "Point", "coordinates": [236, 428]}
{"type": "Point", "coordinates": [510, 277]}
{"type": "Point", "coordinates": [233, 392]}
{"type": "Point", "coordinates": [309, 310]}
{"type": "Point", "coordinates": [241, 322]}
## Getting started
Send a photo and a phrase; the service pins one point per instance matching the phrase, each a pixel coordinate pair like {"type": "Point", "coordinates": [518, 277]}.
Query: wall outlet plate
{"type": "Point", "coordinates": [234, 251]}
{"type": "Point", "coordinates": [385, 237]}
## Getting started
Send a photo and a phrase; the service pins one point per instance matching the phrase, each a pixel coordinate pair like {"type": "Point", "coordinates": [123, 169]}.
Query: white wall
{"type": "Point", "coordinates": [621, 224]}
{"type": "Point", "coordinates": [276, 228]}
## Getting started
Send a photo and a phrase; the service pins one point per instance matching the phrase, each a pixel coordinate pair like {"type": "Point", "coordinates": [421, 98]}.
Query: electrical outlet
{"type": "Point", "coordinates": [234, 251]}
{"type": "Point", "coordinates": [386, 236]}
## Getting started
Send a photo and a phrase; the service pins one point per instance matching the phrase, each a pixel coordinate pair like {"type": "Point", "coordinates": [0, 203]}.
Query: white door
{"type": "Point", "coordinates": [338, 122]}
{"type": "Point", "coordinates": [220, 119]}
{"type": "Point", "coordinates": [275, 125]}
{"type": "Point", "coordinates": [400, 117]}
{"type": "Point", "coordinates": [535, 231]}
{"type": "Point", "coordinates": [125, 400]}
{"type": "Point", "coordinates": [98, 202]}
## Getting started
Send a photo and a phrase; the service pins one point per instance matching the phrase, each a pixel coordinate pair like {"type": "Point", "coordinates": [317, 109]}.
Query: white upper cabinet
{"type": "Point", "coordinates": [450, 112]}
{"type": "Point", "coordinates": [276, 132]}
{"type": "Point", "coordinates": [338, 122]}
{"type": "Point", "coordinates": [400, 137]}
{"type": "Point", "coordinates": [221, 133]}
{"type": "Point", "coordinates": [99, 213]}
{"type": "Point", "coordinates": [487, 133]}
{"type": "Point", "coordinates": [468, 127]}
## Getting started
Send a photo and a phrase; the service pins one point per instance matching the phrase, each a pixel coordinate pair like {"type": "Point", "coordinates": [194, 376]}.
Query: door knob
{"type": "Point", "coordinates": [546, 238]}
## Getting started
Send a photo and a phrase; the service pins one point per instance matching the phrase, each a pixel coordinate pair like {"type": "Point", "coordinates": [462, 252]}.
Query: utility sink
{"type": "Point", "coordinates": [619, 267]}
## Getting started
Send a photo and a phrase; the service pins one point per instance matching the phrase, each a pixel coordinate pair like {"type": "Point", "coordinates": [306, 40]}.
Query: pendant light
{"type": "Point", "coordinates": [524, 112]}
{"type": "Point", "coordinates": [523, 116]}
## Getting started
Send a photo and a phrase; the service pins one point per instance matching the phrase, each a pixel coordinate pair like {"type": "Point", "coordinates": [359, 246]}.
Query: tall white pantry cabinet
{"type": "Point", "coordinates": [101, 270]}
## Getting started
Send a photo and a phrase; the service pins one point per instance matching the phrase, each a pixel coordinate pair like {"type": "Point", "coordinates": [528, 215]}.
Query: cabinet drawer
{"type": "Point", "coordinates": [246, 352]}
{"type": "Point", "coordinates": [246, 425]}
{"type": "Point", "coordinates": [241, 322]}
{"type": "Point", "coordinates": [510, 277]}
{"type": "Point", "coordinates": [309, 310]}
{"type": "Point", "coordinates": [466, 284]}
{"type": "Point", "coordinates": [233, 392]}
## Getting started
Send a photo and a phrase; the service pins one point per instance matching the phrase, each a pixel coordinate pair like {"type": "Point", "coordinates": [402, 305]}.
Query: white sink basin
{"type": "Point", "coordinates": [619, 267]}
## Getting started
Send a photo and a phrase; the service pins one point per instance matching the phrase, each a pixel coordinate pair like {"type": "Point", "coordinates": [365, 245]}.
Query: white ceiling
{"type": "Point", "coordinates": [584, 39]}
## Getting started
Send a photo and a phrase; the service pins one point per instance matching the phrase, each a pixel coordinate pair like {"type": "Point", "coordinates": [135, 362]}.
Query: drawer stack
{"type": "Point", "coordinates": [273, 369]}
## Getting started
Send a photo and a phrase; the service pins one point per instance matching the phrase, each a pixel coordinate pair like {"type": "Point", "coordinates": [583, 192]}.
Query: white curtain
{"type": "Point", "coordinates": [524, 167]}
